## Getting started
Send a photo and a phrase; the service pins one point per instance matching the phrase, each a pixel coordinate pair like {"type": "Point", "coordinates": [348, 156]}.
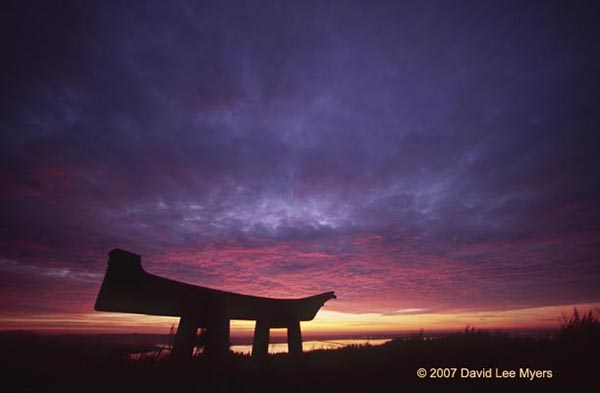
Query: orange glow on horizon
{"type": "Point", "coordinates": [326, 322]}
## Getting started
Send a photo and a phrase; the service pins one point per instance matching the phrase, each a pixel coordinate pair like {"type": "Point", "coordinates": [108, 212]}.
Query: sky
{"type": "Point", "coordinates": [433, 162]}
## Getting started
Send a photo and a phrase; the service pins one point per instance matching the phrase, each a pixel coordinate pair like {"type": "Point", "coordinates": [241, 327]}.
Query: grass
{"type": "Point", "coordinates": [578, 327]}
{"type": "Point", "coordinates": [33, 363]}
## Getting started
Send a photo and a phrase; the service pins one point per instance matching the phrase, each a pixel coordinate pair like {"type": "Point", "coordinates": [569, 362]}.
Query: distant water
{"type": "Point", "coordinates": [307, 346]}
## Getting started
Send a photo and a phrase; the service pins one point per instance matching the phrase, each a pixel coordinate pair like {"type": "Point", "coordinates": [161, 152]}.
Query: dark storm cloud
{"type": "Point", "coordinates": [460, 134]}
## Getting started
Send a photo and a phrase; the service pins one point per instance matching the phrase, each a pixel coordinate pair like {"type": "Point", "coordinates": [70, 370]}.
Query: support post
{"type": "Point", "coordinates": [260, 344]}
{"type": "Point", "coordinates": [294, 336]}
{"type": "Point", "coordinates": [217, 333]}
{"type": "Point", "coordinates": [183, 344]}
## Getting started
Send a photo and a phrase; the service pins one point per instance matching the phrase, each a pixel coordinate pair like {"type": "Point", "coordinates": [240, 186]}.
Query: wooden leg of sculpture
{"type": "Point", "coordinates": [260, 344]}
{"type": "Point", "coordinates": [294, 337]}
{"type": "Point", "coordinates": [183, 344]}
{"type": "Point", "coordinates": [217, 333]}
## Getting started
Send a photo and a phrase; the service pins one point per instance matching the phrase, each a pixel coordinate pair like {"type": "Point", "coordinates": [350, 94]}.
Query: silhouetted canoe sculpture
{"type": "Point", "coordinates": [128, 288]}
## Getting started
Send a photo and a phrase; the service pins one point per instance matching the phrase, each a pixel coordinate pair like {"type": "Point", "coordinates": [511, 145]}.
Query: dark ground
{"type": "Point", "coordinates": [34, 363]}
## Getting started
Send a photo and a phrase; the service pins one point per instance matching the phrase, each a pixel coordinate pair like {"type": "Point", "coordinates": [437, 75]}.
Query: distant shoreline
{"type": "Point", "coordinates": [277, 337]}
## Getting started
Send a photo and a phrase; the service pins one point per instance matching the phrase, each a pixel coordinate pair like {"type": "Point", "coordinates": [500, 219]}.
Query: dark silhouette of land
{"type": "Point", "coordinates": [35, 363]}
{"type": "Point", "coordinates": [128, 288]}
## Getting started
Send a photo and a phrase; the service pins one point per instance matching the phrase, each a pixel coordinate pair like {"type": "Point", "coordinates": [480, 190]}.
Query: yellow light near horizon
{"type": "Point", "coordinates": [535, 317]}
{"type": "Point", "coordinates": [326, 321]}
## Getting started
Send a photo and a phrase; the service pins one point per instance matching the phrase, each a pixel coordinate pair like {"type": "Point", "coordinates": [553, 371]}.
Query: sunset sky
{"type": "Point", "coordinates": [435, 163]}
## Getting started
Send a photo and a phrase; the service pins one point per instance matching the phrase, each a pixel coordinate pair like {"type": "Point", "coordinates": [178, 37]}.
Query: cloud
{"type": "Point", "coordinates": [406, 156]}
